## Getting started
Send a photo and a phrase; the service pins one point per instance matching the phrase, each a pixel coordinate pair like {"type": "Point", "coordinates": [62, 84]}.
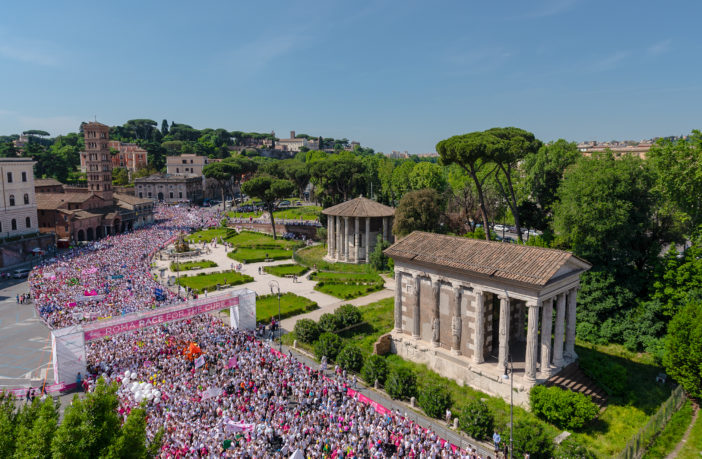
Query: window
{"type": "Point", "coordinates": [26, 198]}
{"type": "Point", "coordinates": [171, 194]}
{"type": "Point", "coordinates": [28, 222]}
{"type": "Point", "coordinates": [12, 200]}
{"type": "Point", "coordinates": [180, 194]}
{"type": "Point", "coordinates": [149, 194]}
{"type": "Point", "coordinates": [185, 161]}
{"type": "Point", "coordinates": [141, 195]}
{"type": "Point", "coordinates": [24, 176]}
{"type": "Point", "coordinates": [177, 170]}
{"type": "Point", "coordinates": [14, 224]}
{"type": "Point", "coordinates": [9, 177]}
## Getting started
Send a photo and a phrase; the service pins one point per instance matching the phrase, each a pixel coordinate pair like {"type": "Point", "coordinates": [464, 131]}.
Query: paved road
{"type": "Point", "coordinates": [25, 344]}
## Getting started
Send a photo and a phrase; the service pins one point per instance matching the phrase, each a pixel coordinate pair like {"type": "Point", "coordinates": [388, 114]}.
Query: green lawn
{"type": "Point", "coordinates": [209, 234]}
{"type": "Point", "coordinates": [201, 282]}
{"type": "Point", "coordinates": [693, 446]}
{"type": "Point", "coordinates": [347, 285]}
{"type": "Point", "coordinates": [295, 213]}
{"type": "Point", "coordinates": [286, 269]}
{"type": "Point", "coordinates": [247, 255]}
{"type": "Point", "coordinates": [310, 256]}
{"type": "Point", "coordinates": [290, 305]}
{"type": "Point", "coordinates": [672, 434]}
{"type": "Point", "coordinates": [244, 214]}
{"type": "Point", "coordinates": [192, 265]}
{"type": "Point", "coordinates": [251, 239]}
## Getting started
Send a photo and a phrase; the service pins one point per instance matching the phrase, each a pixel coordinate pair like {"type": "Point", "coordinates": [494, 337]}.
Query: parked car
{"type": "Point", "coordinates": [499, 228]}
{"type": "Point", "coordinates": [20, 273]}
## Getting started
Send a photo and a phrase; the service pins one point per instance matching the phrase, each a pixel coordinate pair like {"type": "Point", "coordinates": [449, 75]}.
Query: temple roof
{"type": "Point", "coordinates": [360, 207]}
{"type": "Point", "coordinates": [512, 262]}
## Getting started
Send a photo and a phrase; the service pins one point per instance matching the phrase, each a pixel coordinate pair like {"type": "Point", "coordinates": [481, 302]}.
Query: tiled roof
{"type": "Point", "coordinates": [513, 262]}
{"type": "Point", "coordinates": [47, 182]}
{"type": "Point", "coordinates": [360, 207]}
{"type": "Point", "coordinates": [133, 200]}
{"type": "Point", "coordinates": [55, 200]}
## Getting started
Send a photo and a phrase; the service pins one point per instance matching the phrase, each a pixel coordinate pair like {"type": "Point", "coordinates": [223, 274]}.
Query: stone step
{"type": "Point", "coordinates": [572, 378]}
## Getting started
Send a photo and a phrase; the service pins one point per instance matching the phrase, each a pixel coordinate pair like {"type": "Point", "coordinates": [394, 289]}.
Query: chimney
{"type": "Point", "coordinates": [292, 134]}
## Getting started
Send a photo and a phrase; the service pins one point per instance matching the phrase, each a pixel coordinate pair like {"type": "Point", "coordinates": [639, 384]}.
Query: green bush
{"type": "Point", "coordinates": [563, 408]}
{"type": "Point", "coordinates": [434, 400]}
{"type": "Point", "coordinates": [350, 358]}
{"type": "Point", "coordinates": [477, 420]}
{"type": "Point", "coordinates": [348, 315]}
{"type": "Point", "coordinates": [329, 345]}
{"type": "Point", "coordinates": [609, 375]}
{"type": "Point", "coordinates": [572, 448]}
{"type": "Point", "coordinates": [329, 322]}
{"type": "Point", "coordinates": [306, 330]}
{"type": "Point", "coordinates": [401, 383]}
{"type": "Point", "coordinates": [530, 438]}
{"type": "Point", "coordinates": [375, 368]}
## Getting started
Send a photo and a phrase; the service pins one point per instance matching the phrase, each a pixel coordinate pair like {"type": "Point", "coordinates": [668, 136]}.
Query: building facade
{"type": "Point", "coordinates": [186, 164]}
{"type": "Point", "coordinates": [353, 228]}
{"type": "Point", "coordinates": [98, 163]}
{"type": "Point", "coordinates": [169, 188]}
{"type": "Point", "coordinates": [48, 186]}
{"type": "Point", "coordinates": [294, 144]}
{"type": "Point", "coordinates": [128, 155]}
{"type": "Point", "coordinates": [468, 307]}
{"type": "Point", "coordinates": [19, 205]}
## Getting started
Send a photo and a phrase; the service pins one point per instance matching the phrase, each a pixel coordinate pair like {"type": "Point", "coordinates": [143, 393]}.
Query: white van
{"type": "Point", "coordinates": [20, 273]}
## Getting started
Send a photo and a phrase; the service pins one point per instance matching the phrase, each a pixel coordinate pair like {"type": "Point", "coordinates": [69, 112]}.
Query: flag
{"type": "Point", "coordinates": [211, 392]}
{"type": "Point", "coordinates": [200, 361]}
{"type": "Point", "coordinates": [297, 455]}
{"type": "Point", "coordinates": [232, 363]}
{"type": "Point", "coordinates": [231, 426]}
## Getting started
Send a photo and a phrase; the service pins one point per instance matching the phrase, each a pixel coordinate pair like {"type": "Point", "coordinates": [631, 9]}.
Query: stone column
{"type": "Point", "coordinates": [398, 301]}
{"type": "Point", "coordinates": [367, 239]}
{"type": "Point", "coordinates": [479, 336]}
{"type": "Point", "coordinates": [436, 316]}
{"type": "Point", "coordinates": [415, 315]}
{"type": "Point", "coordinates": [559, 332]}
{"type": "Point", "coordinates": [385, 229]}
{"type": "Point", "coordinates": [531, 341]}
{"type": "Point", "coordinates": [338, 245]}
{"type": "Point", "coordinates": [347, 252]}
{"type": "Point", "coordinates": [330, 237]}
{"type": "Point", "coordinates": [456, 321]}
{"type": "Point", "coordinates": [570, 325]}
{"type": "Point", "coordinates": [546, 325]}
{"type": "Point", "coordinates": [356, 241]}
{"type": "Point", "coordinates": [504, 331]}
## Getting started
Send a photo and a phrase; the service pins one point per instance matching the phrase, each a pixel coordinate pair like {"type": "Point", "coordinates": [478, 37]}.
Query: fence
{"type": "Point", "coordinates": [639, 442]}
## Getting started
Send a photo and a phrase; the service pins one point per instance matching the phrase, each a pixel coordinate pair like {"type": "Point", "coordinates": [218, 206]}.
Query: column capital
{"type": "Point", "coordinates": [533, 303]}
{"type": "Point", "coordinates": [503, 296]}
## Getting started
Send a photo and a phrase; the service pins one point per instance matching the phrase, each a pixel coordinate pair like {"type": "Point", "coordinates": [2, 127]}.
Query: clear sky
{"type": "Point", "coordinates": [394, 75]}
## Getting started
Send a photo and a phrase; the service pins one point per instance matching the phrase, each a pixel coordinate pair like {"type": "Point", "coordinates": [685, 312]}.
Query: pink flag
{"type": "Point", "coordinates": [200, 361]}
{"type": "Point", "coordinates": [232, 363]}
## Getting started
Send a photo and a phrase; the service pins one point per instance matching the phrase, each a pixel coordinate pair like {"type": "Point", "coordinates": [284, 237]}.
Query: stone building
{"type": "Point", "coordinates": [170, 188]}
{"type": "Point", "coordinates": [353, 227]}
{"type": "Point", "coordinates": [465, 307]}
{"type": "Point", "coordinates": [19, 205]}
{"type": "Point", "coordinates": [187, 163]}
{"type": "Point", "coordinates": [48, 185]}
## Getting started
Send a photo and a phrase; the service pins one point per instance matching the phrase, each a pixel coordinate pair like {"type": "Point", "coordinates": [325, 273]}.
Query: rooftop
{"type": "Point", "coordinates": [47, 182]}
{"type": "Point", "coordinates": [55, 200]}
{"type": "Point", "coordinates": [360, 207]}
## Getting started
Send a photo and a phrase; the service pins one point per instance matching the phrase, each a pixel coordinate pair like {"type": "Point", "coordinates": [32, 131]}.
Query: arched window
{"type": "Point", "coordinates": [14, 224]}
{"type": "Point", "coordinates": [26, 198]}
{"type": "Point", "coordinates": [28, 222]}
{"type": "Point", "coordinates": [12, 200]}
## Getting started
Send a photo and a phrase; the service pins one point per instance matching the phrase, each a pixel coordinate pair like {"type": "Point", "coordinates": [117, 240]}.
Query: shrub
{"type": "Point", "coordinates": [476, 420]}
{"type": "Point", "coordinates": [350, 358]}
{"type": "Point", "coordinates": [329, 322]}
{"type": "Point", "coordinates": [611, 376]}
{"type": "Point", "coordinates": [306, 330]}
{"type": "Point", "coordinates": [328, 344]}
{"type": "Point", "coordinates": [531, 438]}
{"type": "Point", "coordinates": [348, 315]}
{"type": "Point", "coordinates": [401, 383]}
{"type": "Point", "coordinates": [572, 448]}
{"type": "Point", "coordinates": [375, 368]}
{"type": "Point", "coordinates": [562, 408]}
{"type": "Point", "coordinates": [434, 400]}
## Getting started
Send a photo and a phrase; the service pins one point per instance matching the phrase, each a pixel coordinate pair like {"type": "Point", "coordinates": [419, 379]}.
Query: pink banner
{"type": "Point", "coordinates": [92, 292]}
{"type": "Point", "coordinates": [155, 317]}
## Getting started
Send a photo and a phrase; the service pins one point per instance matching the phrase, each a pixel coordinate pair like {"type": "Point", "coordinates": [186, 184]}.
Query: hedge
{"type": "Point", "coordinates": [563, 408]}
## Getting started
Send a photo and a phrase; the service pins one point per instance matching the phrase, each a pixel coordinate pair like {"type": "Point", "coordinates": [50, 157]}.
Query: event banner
{"type": "Point", "coordinates": [100, 329]}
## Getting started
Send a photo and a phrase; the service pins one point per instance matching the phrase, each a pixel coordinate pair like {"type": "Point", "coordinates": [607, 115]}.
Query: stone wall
{"type": "Point", "coordinates": [18, 252]}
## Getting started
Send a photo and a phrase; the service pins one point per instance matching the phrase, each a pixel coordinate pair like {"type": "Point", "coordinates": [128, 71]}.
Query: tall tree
{"type": "Point", "coordinates": [427, 175]}
{"type": "Point", "coordinates": [683, 353]}
{"type": "Point", "coordinates": [337, 178]}
{"type": "Point", "coordinates": [164, 128]}
{"type": "Point", "coordinates": [418, 210]}
{"type": "Point", "coordinates": [268, 189]}
{"type": "Point", "coordinates": [470, 152]}
{"type": "Point", "coordinates": [36, 442]}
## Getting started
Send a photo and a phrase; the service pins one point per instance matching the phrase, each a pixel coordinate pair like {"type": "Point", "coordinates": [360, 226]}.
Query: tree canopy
{"type": "Point", "coordinates": [268, 189]}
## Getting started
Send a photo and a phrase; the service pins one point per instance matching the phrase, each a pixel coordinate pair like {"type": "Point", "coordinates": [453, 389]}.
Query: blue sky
{"type": "Point", "coordinates": [394, 75]}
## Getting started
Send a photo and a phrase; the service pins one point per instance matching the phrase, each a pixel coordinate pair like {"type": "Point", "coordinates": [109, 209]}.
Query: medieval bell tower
{"type": "Point", "coordinates": [98, 161]}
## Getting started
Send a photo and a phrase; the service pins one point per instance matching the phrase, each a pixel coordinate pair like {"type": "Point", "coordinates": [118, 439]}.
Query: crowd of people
{"type": "Point", "coordinates": [239, 398]}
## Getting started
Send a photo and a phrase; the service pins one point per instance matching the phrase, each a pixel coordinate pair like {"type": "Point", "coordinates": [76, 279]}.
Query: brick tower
{"type": "Point", "coordinates": [98, 163]}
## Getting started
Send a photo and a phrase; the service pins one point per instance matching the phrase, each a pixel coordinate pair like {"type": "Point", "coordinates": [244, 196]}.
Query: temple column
{"type": "Point", "coordinates": [347, 239]}
{"type": "Point", "coordinates": [398, 301]}
{"type": "Point", "coordinates": [559, 332]}
{"type": "Point", "coordinates": [532, 338]}
{"type": "Point", "coordinates": [546, 325]}
{"type": "Point", "coordinates": [479, 337]}
{"type": "Point", "coordinates": [415, 313]}
{"type": "Point", "coordinates": [367, 239]}
{"type": "Point", "coordinates": [436, 317]}
{"type": "Point", "coordinates": [330, 237]}
{"type": "Point", "coordinates": [504, 331]}
{"type": "Point", "coordinates": [338, 246]}
{"type": "Point", "coordinates": [356, 241]}
{"type": "Point", "coordinates": [385, 229]}
{"type": "Point", "coordinates": [570, 325]}
{"type": "Point", "coordinates": [456, 322]}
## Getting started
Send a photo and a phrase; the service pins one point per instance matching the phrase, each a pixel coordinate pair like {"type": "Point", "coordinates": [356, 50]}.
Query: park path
{"type": "Point", "coordinates": [683, 440]}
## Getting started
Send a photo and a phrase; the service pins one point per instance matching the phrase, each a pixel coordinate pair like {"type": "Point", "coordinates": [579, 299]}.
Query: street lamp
{"type": "Point", "coordinates": [509, 374]}
{"type": "Point", "coordinates": [275, 285]}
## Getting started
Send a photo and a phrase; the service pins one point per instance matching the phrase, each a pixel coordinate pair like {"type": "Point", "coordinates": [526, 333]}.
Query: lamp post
{"type": "Point", "coordinates": [509, 373]}
{"type": "Point", "coordinates": [275, 285]}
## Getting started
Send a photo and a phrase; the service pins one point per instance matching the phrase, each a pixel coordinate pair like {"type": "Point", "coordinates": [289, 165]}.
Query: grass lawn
{"type": "Point", "coordinates": [290, 305]}
{"type": "Point", "coordinates": [251, 239]}
{"type": "Point", "coordinates": [244, 214]}
{"type": "Point", "coordinates": [247, 255]}
{"type": "Point", "coordinates": [672, 434]}
{"type": "Point", "coordinates": [209, 234]}
{"type": "Point", "coordinates": [202, 282]}
{"type": "Point", "coordinates": [295, 213]}
{"type": "Point", "coordinates": [310, 256]}
{"type": "Point", "coordinates": [347, 285]}
{"type": "Point", "coordinates": [693, 446]}
{"type": "Point", "coordinates": [192, 265]}
{"type": "Point", "coordinates": [287, 269]}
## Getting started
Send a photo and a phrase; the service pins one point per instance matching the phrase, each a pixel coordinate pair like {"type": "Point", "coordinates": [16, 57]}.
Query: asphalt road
{"type": "Point", "coordinates": [25, 344]}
